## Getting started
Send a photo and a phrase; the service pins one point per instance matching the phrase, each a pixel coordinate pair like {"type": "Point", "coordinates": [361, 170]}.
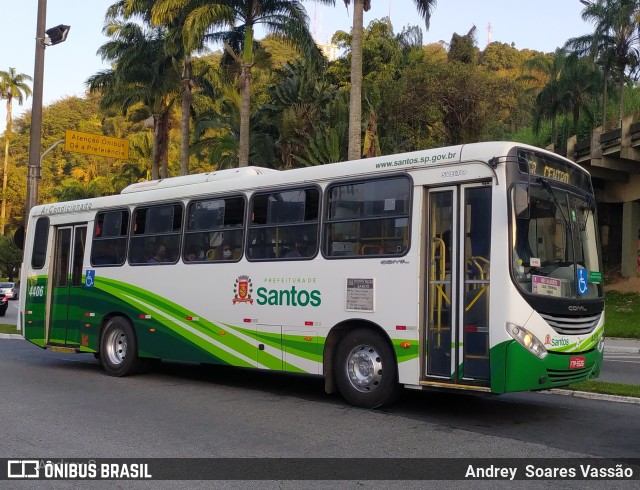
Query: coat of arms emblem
{"type": "Point", "coordinates": [242, 290]}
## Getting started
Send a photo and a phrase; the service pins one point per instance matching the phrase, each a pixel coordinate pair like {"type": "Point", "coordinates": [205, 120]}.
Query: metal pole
{"type": "Point", "coordinates": [36, 114]}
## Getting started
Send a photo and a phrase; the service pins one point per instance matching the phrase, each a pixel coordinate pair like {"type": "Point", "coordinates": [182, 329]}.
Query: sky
{"type": "Point", "coordinates": [542, 25]}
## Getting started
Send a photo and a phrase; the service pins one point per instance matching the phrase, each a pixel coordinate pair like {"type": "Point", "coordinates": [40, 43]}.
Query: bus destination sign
{"type": "Point", "coordinates": [550, 168]}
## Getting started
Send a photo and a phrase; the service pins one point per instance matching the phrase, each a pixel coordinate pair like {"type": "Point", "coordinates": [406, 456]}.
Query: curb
{"type": "Point", "coordinates": [632, 345]}
{"type": "Point", "coordinates": [16, 336]}
{"type": "Point", "coordinates": [621, 349]}
{"type": "Point", "coordinates": [595, 396]}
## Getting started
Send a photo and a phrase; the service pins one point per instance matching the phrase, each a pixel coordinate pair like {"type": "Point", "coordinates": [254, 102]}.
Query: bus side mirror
{"type": "Point", "coordinates": [18, 237]}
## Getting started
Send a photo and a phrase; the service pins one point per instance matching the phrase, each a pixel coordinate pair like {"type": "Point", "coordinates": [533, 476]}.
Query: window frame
{"type": "Point", "coordinates": [103, 239]}
{"type": "Point", "coordinates": [44, 240]}
{"type": "Point", "coordinates": [287, 225]}
{"type": "Point", "coordinates": [219, 229]}
{"type": "Point", "coordinates": [146, 234]}
{"type": "Point", "coordinates": [327, 222]}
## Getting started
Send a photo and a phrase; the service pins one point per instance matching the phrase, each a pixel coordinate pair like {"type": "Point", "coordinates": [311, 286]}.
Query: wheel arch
{"type": "Point", "coordinates": [336, 334]}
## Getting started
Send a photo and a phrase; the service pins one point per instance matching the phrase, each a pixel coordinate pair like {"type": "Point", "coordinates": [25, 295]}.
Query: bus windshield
{"type": "Point", "coordinates": [553, 242]}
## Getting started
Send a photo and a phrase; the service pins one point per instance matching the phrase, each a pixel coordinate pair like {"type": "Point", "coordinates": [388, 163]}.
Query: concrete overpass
{"type": "Point", "coordinates": [613, 160]}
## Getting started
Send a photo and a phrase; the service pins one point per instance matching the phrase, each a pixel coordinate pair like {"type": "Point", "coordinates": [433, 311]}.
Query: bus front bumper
{"type": "Point", "coordinates": [523, 371]}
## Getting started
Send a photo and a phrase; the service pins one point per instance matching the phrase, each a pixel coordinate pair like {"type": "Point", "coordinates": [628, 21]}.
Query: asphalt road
{"type": "Point", "coordinates": [64, 406]}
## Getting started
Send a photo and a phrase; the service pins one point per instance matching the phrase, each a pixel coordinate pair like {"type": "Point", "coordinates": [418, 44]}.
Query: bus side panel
{"type": "Point", "coordinates": [165, 329]}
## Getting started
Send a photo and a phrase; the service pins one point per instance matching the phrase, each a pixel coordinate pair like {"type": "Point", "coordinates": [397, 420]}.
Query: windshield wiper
{"type": "Point", "coordinates": [547, 187]}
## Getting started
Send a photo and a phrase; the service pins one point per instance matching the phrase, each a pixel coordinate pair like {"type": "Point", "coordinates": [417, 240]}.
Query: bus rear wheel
{"type": "Point", "coordinates": [119, 348]}
{"type": "Point", "coordinates": [365, 369]}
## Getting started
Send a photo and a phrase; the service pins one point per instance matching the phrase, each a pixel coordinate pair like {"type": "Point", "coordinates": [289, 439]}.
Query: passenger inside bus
{"type": "Point", "coordinates": [225, 252]}
{"type": "Point", "coordinates": [192, 254]}
{"type": "Point", "coordinates": [160, 254]}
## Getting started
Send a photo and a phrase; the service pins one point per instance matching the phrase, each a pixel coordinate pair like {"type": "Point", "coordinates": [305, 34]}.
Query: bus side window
{"type": "Point", "coordinates": [284, 225]}
{"type": "Point", "coordinates": [40, 242]}
{"type": "Point", "coordinates": [109, 243]}
{"type": "Point", "coordinates": [368, 218]}
{"type": "Point", "coordinates": [213, 223]}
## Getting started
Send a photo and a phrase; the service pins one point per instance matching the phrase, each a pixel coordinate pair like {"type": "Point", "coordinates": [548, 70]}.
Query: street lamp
{"type": "Point", "coordinates": [50, 37]}
{"type": "Point", "coordinates": [56, 35]}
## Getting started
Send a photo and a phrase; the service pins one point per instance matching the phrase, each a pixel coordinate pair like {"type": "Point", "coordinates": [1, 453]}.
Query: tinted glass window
{"type": "Point", "coordinates": [284, 225]}
{"type": "Point", "coordinates": [214, 230]}
{"type": "Point", "coordinates": [40, 240]}
{"type": "Point", "coordinates": [110, 238]}
{"type": "Point", "coordinates": [368, 218]}
{"type": "Point", "coordinates": [156, 234]}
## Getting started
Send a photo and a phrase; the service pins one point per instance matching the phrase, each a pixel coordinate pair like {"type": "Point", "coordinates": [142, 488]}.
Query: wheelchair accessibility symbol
{"type": "Point", "coordinates": [89, 278]}
{"type": "Point", "coordinates": [583, 286]}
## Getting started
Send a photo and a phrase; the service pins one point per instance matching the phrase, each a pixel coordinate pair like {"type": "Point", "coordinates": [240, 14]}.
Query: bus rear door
{"type": "Point", "coordinates": [65, 319]}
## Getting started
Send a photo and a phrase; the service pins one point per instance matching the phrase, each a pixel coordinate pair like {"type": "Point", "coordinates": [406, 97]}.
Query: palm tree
{"type": "Point", "coordinates": [614, 43]}
{"type": "Point", "coordinates": [173, 14]}
{"type": "Point", "coordinates": [144, 77]}
{"type": "Point", "coordinates": [285, 19]}
{"type": "Point", "coordinates": [581, 82]}
{"type": "Point", "coordinates": [424, 8]}
{"type": "Point", "coordinates": [549, 101]}
{"type": "Point", "coordinates": [12, 86]}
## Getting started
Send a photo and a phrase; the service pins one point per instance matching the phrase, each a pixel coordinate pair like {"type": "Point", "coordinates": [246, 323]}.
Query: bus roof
{"type": "Point", "coordinates": [245, 178]}
{"type": "Point", "coordinates": [229, 173]}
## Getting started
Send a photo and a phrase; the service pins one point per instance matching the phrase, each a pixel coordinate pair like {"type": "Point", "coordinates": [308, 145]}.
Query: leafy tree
{"type": "Point", "coordinates": [286, 19]}
{"type": "Point", "coordinates": [581, 81]}
{"type": "Point", "coordinates": [299, 108]}
{"type": "Point", "coordinates": [10, 258]}
{"type": "Point", "coordinates": [550, 99]}
{"type": "Point", "coordinates": [385, 56]}
{"type": "Point", "coordinates": [501, 56]}
{"type": "Point", "coordinates": [614, 44]}
{"type": "Point", "coordinates": [463, 48]}
{"type": "Point", "coordinates": [174, 14]}
{"type": "Point", "coordinates": [12, 86]}
{"type": "Point", "coordinates": [144, 77]}
{"type": "Point", "coordinates": [73, 189]}
{"type": "Point", "coordinates": [424, 8]}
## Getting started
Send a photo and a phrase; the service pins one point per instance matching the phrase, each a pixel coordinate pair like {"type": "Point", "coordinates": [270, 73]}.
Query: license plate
{"type": "Point", "coordinates": [576, 362]}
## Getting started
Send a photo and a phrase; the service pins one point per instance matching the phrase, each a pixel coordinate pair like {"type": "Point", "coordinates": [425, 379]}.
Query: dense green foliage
{"type": "Point", "coordinates": [10, 258]}
{"type": "Point", "coordinates": [413, 97]}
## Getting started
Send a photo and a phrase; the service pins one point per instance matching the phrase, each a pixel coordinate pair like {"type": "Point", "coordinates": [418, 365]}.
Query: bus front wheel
{"type": "Point", "coordinates": [119, 348]}
{"type": "Point", "coordinates": [365, 369]}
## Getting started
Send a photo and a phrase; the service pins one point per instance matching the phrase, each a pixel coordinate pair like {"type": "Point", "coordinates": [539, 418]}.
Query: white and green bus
{"type": "Point", "coordinates": [474, 267]}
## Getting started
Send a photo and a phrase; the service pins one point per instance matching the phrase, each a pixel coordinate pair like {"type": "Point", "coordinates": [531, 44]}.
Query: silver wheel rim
{"type": "Point", "coordinates": [364, 368]}
{"type": "Point", "coordinates": [116, 346]}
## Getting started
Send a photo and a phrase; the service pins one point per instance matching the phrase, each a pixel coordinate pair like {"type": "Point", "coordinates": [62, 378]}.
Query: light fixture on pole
{"type": "Point", "coordinates": [50, 37]}
{"type": "Point", "coordinates": [56, 35]}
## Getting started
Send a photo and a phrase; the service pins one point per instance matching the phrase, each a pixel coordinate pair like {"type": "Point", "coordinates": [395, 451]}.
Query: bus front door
{"type": "Point", "coordinates": [66, 284]}
{"type": "Point", "coordinates": [458, 273]}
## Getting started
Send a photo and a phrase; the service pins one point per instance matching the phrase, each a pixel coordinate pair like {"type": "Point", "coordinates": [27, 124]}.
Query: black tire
{"type": "Point", "coordinates": [2, 313]}
{"type": "Point", "coordinates": [119, 348]}
{"type": "Point", "coordinates": [365, 369]}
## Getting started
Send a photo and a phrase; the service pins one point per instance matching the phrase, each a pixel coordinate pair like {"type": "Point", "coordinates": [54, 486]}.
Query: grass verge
{"type": "Point", "coordinates": [607, 388]}
{"type": "Point", "coordinates": [8, 328]}
{"type": "Point", "coordinates": [622, 311]}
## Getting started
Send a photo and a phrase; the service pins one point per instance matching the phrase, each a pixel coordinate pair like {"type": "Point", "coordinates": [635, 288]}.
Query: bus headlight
{"type": "Point", "coordinates": [601, 344]}
{"type": "Point", "coordinates": [527, 340]}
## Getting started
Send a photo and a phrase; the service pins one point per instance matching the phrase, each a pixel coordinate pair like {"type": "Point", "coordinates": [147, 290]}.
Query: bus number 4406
{"type": "Point", "coordinates": [36, 291]}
